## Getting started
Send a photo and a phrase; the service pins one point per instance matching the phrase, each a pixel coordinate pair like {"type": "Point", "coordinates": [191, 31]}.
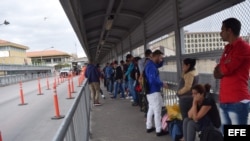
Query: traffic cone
{"type": "Point", "coordinates": [69, 91]}
{"type": "Point", "coordinates": [39, 87]}
{"type": "Point", "coordinates": [56, 105]}
{"type": "Point", "coordinates": [58, 81]}
{"type": "Point", "coordinates": [1, 139]}
{"type": "Point", "coordinates": [21, 96]}
{"type": "Point", "coordinates": [72, 86]}
{"type": "Point", "coordinates": [48, 84]}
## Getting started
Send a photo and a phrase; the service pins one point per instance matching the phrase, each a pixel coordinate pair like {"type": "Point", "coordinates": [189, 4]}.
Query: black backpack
{"type": "Point", "coordinates": [210, 133]}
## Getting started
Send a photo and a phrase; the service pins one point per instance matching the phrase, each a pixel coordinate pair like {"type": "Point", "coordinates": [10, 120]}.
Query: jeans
{"type": "Point", "coordinates": [185, 105]}
{"type": "Point", "coordinates": [118, 85]}
{"type": "Point", "coordinates": [132, 90]}
{"type": "Point", "coordinates": [189, 129]}
{"type": "Point", "coordinates": [234, 114]}
{"type": "Point", "coordinates": [110, 85]}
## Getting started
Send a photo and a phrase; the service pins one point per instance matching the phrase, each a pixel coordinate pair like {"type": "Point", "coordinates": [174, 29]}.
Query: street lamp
{"type": "Point", "coordinates": [5, 23]}
{"type": "Point", "coordinates": [44, 50]}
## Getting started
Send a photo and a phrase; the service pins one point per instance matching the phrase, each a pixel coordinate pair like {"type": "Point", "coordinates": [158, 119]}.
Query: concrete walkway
{"type": "Point", "coordinates": [117, 120]}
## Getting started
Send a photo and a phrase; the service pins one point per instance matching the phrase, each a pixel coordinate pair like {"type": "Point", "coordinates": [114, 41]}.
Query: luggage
{"type": "Point", "coordinates": [164, 123]}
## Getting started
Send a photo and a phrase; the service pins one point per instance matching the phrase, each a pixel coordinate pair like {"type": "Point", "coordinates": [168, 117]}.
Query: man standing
{"type": "Point", "coordinates": [109, 77]}
{"type": "Point", "coordinates": [94, 82]}
{"type": "Point", "coordinates": [233, 72]}
{"type": "Point", "coordinates": [142, 63]}
{"type": "Point", "coordinates": [155, 101]}
{"type": "Point", "coordinates": [118, 76]}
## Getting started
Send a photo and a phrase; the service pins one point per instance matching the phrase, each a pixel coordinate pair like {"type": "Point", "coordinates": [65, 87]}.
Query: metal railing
{"type": "Point", "coordinates": [13, 79]}
{"type": "Point", "coordinates": [9, 67]}
{"type": "Point", "coordinates": [76, 125]}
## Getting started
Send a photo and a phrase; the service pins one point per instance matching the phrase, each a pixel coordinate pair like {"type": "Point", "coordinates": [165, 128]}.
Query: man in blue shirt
{"type": "Point", "coordinates": [94, 82]}
{"type": "Point", "coordinates": [154, 97]}
{"type": "Point", "coordinates": [109, 76]}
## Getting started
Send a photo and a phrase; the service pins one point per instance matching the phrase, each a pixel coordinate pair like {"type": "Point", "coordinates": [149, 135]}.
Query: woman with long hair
{"type": "Point", "coordinates": [202, 114]}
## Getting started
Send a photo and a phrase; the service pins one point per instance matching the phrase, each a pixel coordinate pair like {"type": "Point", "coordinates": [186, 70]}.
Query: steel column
{"type": "Point", "coordinates": [179, 38]}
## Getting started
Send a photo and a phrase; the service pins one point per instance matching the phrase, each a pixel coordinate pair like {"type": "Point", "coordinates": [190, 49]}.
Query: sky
{"type": "Point", "coordinates": [38, 24]}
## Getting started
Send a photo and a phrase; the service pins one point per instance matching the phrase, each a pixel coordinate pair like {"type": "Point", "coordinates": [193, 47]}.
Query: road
{"type": "Point", "coordinates": [32, 122]}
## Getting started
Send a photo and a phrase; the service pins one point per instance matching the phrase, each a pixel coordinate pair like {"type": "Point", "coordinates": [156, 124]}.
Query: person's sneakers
{"type": "Point", "coordinates": [122, 98]}
{"type": "Point", "coordinates": [134, 104]}
{"type": "Point", "coordinates": [162, 133]}
{"type": "Point", "coordinates": [97, 104]}
{"type": "Point", "coordinates": [131, 100]}
{"type": "Point", "coordinates": [127, 97]}
{"type": "Point", "coordinates": [103, 97]}
{"type": "Point", "coordinates": [150, 130]}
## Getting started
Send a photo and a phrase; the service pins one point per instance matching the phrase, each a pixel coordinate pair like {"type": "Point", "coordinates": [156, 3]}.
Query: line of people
{"type": "Point", "coordinates": [139, 78]}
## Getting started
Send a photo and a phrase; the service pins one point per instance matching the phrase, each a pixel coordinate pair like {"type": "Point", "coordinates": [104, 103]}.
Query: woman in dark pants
{"type": "Point", "coordinates": [188, 80]}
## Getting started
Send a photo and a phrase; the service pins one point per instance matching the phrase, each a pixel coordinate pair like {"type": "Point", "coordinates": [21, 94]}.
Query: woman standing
{"type": "Point", "coordinates": [188, 80]}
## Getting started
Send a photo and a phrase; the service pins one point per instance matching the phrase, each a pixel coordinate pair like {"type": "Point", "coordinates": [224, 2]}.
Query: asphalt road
{"type": "Point", "coordinates": [32, 122]}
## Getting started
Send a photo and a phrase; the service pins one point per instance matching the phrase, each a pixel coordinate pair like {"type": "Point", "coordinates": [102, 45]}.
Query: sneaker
{"type": "Point", "coordinates": [161, 133]}
{"type": "Point", "coordinates": [134, 104]}
{"type": "Point", "coordinates": [127, 97]}
{"type": "Point", "coordinates": [131, 97]}
{"type": "Point", "coordinates": [97, 104]}
{"type": "Point", "coordinates": [150, 130]}
{"type": "Point", "coordinates": [132, 100]}
{"type": "Point", "coordinates": [122, 98]}
{"type": "Point", "coordinates": [103, 97]}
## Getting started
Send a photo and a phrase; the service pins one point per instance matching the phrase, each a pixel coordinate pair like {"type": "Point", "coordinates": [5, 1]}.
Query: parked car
{"type": "Point", "coordinates": [65, 72]}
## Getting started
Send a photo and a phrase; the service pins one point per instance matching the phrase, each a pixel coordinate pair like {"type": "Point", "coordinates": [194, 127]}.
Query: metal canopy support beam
{"type": "Point", "coordinates": [122, 49]}
{"type": "Point", "coordinates": [130, 45]}
{"type": "Point", "coordinates": [144, 36]}
{"type": "Point", "coordinates": [179, 38]}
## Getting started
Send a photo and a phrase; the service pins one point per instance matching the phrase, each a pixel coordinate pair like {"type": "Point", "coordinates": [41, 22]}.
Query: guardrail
{"type": "Point", "coordinates": [13, 79]}
{"type": "Point", "coordinates": [76, 125]}
{"type": "Point", "coordinates": [9, 67]}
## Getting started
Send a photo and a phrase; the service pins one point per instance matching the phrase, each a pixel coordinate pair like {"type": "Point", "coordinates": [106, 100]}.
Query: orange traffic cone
{"type": "Point", "coordinates": [21, 95]}
{"type": "Point", "coordinates": [56, 105]}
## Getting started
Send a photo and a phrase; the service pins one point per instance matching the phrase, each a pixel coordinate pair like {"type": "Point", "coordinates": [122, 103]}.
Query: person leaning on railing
{"type": "Point", "coordinates": [189, 79]}
{"type": "Point", "coordinates": [233, 72]}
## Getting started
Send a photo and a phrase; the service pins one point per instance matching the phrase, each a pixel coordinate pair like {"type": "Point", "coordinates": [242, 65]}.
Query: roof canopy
{"type": "Point", "coordinates": [103, 26]}
{"type": "Point", "coordinates": [46, 53]}
{"type": "Point", "coordinates": [7, 43]}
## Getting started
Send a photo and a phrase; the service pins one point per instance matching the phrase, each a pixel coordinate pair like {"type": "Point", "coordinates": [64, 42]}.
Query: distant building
{"type": "Point", "coordinates": [49, 57]}
{"type": "Point", "coordinates": [12, 53]}
{"type": "Point", "coordinates": [203, 41]}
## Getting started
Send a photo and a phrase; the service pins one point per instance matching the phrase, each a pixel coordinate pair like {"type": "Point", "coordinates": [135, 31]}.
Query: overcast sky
{"type": "Point", "coordinates": [38, 24]}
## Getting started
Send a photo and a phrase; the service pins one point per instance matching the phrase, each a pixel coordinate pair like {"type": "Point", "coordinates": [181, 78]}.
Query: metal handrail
{"type": "Point", "coordinates": [67, 130]}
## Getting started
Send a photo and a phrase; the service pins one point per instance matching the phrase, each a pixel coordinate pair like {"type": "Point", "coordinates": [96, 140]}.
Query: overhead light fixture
{"type": "Point", "coordinates": [109, 22]}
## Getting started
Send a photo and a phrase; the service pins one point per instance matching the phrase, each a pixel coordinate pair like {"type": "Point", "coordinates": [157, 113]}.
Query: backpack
{"type": "Point", "coordinates": [210, 133]}
{"type": "Point", "coordinates": [134, 72]}
{"type": "Point", "coordinates": [175, 129]}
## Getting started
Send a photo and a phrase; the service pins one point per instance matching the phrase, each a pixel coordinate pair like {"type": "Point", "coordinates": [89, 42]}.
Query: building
{"type": "Point", "coordinates": [49, 57]}
{"type": "Point", "coordinates": [12, 53]}
{"type": "Point", "coordinates": [202, 42]}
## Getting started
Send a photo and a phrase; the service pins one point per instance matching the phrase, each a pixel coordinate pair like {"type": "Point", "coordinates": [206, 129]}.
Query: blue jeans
{"type": "Point", "coordinates": [118, 85]}
{"type": "Point", "coordinates": [110, 85]}
{"type": "Point", "coordinates": [131, 88]}
{"type": "Point", "coordinates": [234, 114]}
